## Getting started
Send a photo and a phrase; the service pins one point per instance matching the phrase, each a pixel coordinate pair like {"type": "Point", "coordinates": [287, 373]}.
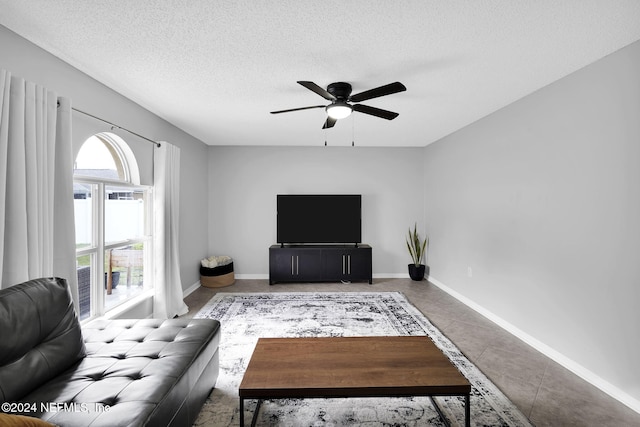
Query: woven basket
{"type": "Point", "coordinates": [217, 277]}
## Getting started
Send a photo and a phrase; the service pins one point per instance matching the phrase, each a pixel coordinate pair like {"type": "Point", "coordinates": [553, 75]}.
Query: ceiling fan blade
{"type": "Point", "coordinates": [298, 109]}
{"type": "Point", "coordinates": [377, 92]}
{"type": "Point", "coordinates": [317, 89]}
{"type": "Point", "coordinates": [329, 123]}
{"type": "Point", "coordinates": [385, 114]}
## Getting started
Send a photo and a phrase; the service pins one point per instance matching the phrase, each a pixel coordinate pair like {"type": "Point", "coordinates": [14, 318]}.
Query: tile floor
{"type": "Point", "coordinates": [547, 393]}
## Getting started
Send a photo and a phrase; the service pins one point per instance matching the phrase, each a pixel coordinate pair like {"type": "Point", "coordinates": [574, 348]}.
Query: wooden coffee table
{"type": "Point", "coordinates": [350, 367]}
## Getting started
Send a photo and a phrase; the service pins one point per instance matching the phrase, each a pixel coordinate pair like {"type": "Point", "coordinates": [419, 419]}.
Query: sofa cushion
{"type": "Point", "coordinates": [136, 372]}
{"type": "Point", "coordinates": [41, 335]}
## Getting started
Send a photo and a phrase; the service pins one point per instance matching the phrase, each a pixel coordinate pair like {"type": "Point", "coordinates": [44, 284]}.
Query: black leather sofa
{"type": "Point", "coordinates": [106, 373]}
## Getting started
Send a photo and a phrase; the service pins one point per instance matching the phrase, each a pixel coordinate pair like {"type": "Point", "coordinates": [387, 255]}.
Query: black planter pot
{"type": "Point", "coordinates": [416, 272]}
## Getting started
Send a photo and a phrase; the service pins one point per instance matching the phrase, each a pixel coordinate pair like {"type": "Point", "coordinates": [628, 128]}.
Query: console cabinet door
{"type": "Point", "coordinates": [281, 265]}
{"type": "Point", "coordinates": [347, 264]}
{"type": "Point", "coordinates": [335, 265]}
{"type": "Point", "coordinates": [289, 265]}
{"type": "Point", "coordinates": [308, 264]}
{"type": "Point", "coordinates": [359, 264]}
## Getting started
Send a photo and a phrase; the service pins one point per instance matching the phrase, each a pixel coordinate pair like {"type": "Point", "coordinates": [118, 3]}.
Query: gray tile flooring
{"type": "Point", "coordinates": [547, 393]}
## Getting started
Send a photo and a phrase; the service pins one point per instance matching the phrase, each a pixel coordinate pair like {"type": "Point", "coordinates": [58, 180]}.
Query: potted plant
{"type": "Point", "coordinates": [417, 250]}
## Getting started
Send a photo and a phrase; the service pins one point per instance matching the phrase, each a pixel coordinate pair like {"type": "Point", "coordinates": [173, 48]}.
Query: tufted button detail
{"type": "Point", "coordinates": [109, 402]}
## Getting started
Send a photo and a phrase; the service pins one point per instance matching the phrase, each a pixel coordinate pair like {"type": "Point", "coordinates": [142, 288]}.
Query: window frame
{"type": "Point", "coordinates": [98, 248]}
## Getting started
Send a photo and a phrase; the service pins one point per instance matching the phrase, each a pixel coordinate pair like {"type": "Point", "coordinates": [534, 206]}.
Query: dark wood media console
{"type": "Point", "coordinates": [320, 263]}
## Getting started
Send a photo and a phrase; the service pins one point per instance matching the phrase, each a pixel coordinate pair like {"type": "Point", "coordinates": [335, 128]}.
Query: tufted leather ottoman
{"type": "Point", "coordinates": [134, 373]}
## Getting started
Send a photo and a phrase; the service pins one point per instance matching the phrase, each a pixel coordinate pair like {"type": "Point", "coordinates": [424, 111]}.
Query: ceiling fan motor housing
{"type": "Point", "coordinates": [340, 90]}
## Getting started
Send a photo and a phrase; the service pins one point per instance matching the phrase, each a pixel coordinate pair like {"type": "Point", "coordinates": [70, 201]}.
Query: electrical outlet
{"type": "Point", "coordinates": [469, 272]}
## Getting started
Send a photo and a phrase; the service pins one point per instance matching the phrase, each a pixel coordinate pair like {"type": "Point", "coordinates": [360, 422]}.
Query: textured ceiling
{"type": "Point", "coordinates": [216, 68]}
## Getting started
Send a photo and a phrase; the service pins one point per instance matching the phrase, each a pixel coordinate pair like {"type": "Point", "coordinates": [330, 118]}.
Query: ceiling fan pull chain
{"type": "Point", "coordinates": [353, 131]}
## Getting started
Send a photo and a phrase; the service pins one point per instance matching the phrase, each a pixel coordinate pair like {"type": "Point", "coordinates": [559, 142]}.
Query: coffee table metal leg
{"type": "Point", "coordinates": [439, 411]}
{"type": "Point", "coordinates": [255, 413]}
{"type": "Point", "coordinates": [254, 419]}
{"type": "Point", "coordinates": [467, 411]}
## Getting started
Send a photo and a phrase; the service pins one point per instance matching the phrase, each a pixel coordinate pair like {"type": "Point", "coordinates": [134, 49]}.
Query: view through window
{"type": "Point", "coordinates": [113, 232]}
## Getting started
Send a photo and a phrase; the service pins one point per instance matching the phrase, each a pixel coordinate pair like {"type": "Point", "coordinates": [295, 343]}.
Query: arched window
{"type": "Point", "coordinates": [106, 155]}
{"type": "Point", "coordinates": [113, 232]}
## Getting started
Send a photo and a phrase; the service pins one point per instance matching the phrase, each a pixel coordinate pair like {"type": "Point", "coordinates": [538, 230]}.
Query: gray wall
{"type": "Point", "coordinates": [23, 59]}
{"type": "Point", "coordinates": [244, 182]}
{"type": "Point", "coordinates": [542, 201]}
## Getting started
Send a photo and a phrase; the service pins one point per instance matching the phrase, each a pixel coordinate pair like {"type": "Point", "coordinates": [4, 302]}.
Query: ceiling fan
{"type": "Point", "coordinates": [343, 103]}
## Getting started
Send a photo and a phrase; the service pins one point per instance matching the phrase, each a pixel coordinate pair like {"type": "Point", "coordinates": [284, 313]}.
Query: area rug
{"type": "Point", "coordinates": [247, 317]}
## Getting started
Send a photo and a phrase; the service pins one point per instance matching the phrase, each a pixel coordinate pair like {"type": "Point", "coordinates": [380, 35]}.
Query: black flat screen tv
{"type": "Point", "coordinates": [319, 218]}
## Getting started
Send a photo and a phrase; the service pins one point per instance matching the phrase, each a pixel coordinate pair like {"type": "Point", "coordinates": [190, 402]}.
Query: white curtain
{"type": "Point", "coordinates": [168, 300]}
{"type": "Point", "coordinates": [37, 231]}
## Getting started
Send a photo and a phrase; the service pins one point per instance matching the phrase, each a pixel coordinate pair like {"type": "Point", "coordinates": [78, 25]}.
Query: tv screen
{"type": "Point", "coordinates": [320, 218]}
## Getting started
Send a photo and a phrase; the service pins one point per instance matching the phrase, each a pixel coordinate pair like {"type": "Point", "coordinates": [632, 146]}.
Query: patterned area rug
{"type": "Point", "coordinates": [247, 317]}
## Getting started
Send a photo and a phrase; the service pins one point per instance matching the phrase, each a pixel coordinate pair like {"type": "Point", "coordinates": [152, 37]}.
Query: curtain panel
{"type": "Point", "coordinates": [37, 229]}
{"type": "Point", "coordinates": [168, 299]}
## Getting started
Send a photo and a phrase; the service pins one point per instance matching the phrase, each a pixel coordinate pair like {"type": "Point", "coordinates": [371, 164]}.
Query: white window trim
{"type": "Point", "coordinates": [98, 248]}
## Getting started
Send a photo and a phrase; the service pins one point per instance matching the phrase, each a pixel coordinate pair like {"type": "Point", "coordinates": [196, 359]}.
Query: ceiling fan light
{"type": "Point", "coordinates": [339, 110]}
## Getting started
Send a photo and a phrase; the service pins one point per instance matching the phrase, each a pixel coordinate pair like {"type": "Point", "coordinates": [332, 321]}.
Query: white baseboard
{"type": "Point", "coordinates": [554, 355]}
{"type": "Point", "coordinates": [190, 289]}
{"type": "Point", "coordinates": [390, 275]}
{"type": "Point", "coordinates": [252, 276]}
